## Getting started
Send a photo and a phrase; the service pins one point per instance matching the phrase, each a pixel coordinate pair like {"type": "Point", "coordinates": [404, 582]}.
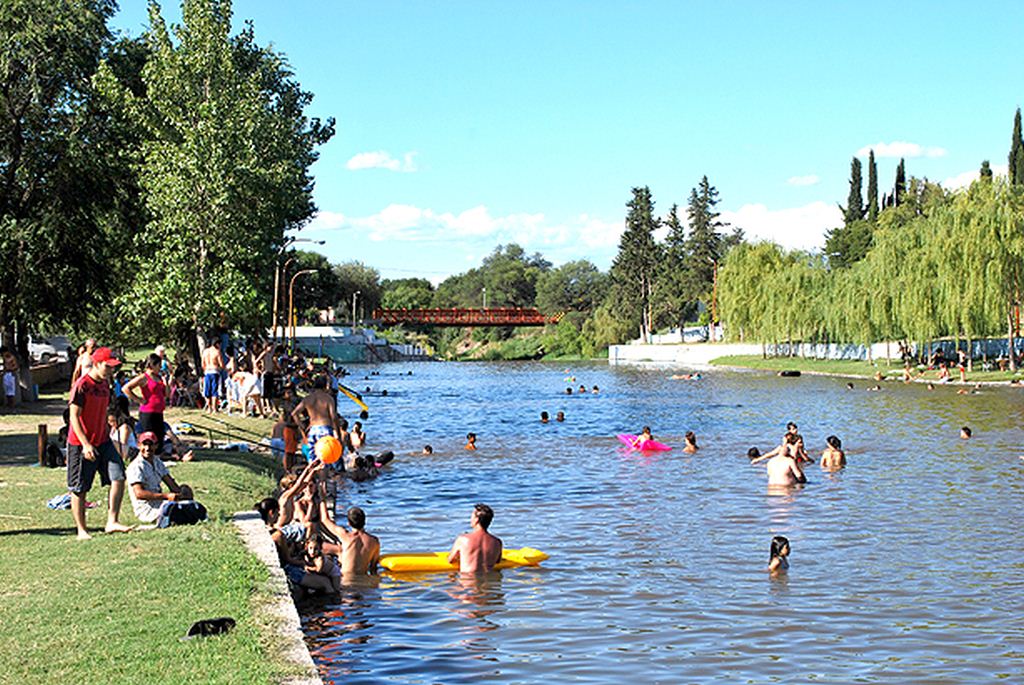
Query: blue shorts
{"type": "Point", "coordinates": [295, 573]}
{"type": "Point", "coordinates": [211, 384]}
{"type": "Point", "coordinates": [315, 433]}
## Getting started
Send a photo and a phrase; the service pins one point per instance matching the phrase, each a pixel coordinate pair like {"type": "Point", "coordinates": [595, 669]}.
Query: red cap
{"type": "Point", "coordinates": [148, 436]}
{"type": "Point", "coordinates": [104, 356]}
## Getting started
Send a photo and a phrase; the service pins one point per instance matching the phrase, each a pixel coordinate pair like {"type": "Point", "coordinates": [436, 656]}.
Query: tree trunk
{"type": "Point", "coordinates": [1009, 339]}
{"type": "Point", "coordinates": [970, 355]}
{"type": "Point", "coordinates": [764, 351]}
{"type": "Point", "coordinates": [888, 354]}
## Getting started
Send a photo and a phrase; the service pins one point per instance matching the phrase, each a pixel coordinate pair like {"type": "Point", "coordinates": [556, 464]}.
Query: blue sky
{"type": "Point", "coordinates": [465, 125]}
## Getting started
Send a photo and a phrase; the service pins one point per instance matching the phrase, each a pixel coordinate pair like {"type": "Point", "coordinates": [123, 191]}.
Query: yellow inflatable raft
{"type": "Point", "coordinates": [438, 561]}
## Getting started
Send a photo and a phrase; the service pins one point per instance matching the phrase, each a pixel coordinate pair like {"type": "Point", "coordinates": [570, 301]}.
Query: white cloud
{"type": "Point", "coordinates": [900, 148]}
{"type": "Point", "coordinates": [382, 160]}
{"type": "Point", "coordinates": [966, 178]}
{"type": "Point", "coordinates": [809, 180]}
{"type": "Point", "coordinates": [796, 227]}
{"type": "Point", "coordinates": [533, 231]}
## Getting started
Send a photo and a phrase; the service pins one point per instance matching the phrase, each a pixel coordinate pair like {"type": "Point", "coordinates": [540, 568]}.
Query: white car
{"type": "Point", "coordinates": [49, 350]}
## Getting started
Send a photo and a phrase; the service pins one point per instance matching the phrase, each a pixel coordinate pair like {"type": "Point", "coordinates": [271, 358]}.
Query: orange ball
{"type": "Point", "coordinates": [328, 449]}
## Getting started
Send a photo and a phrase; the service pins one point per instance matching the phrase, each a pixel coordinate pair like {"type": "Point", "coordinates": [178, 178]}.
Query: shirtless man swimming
{"type": "Point", "coordinates": [360, 551]}
{"type": "Point", "coordinates": [833, 458]}
{"type": "Point", "coordinates": [784, 469]}
{"type": "Point", "coordinates": [477, 551]}
{"type": "Point", "coordinates": [320, 407]}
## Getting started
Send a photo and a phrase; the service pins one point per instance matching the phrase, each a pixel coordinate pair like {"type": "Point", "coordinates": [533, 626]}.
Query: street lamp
{"type": "Point", "coordinates": [291, 300]}
{"type": "Point", "coordinates": [354, 296]}
{"type": "Point", "coordinates": [277, 273]}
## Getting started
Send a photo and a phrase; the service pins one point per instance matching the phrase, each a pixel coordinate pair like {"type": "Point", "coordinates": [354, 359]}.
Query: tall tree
{"type": "Point", "coordinates": [900, 187]}
{"type": "Point", "coordinates": [224, 171]}
{"type": "Point", "coordinates": [671, 298]}
{"type": "Point", "coordinates": [854, 210]}
{"type": "Point", "coordinates": [1016, 152]}
{"type": "Point", "coordinates": [872, 187]}
{"type": "Point", "coordinates": [60, 169]}
{"type": "Point", "coordinates": [985, 172]}
{"type": "Point", "coordinates": [706, 245]}
{"type": "Point", "coordinates": [633, 269]}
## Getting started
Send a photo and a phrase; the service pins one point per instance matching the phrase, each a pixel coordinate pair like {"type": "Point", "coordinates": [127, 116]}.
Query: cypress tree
{"type": "Point", "coordinates": [1016, 152]}
{"type": "Point", "coordinates": [901, 184]}
{"type": "Point", "coordinates": [985, 173]}
{"type": "Point", "coordinates": [855, 201]}
{"type": "Point", "coordinates": [872, 187]}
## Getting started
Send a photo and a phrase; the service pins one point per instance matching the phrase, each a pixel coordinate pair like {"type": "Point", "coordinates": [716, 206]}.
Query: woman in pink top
{"type": "Point", "coordinates": [149, 391]}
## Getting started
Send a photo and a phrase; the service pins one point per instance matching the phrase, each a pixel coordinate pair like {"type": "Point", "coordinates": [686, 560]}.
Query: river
{"type": "Point", "coordinates": [905, 567]}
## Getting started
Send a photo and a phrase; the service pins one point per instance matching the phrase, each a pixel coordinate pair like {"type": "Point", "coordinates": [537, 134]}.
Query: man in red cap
{"type": "Point", "coordinates": [89, 446]}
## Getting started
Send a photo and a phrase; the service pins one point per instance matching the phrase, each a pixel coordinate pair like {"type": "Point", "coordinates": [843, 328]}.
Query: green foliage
{"type": "Point", "coordinates": [223, 165]}
{"type": "Point", "coordinates": [940, 264]}
{"type": "Point", "coordinates": [406, 293]}
{"type": "Point", "coordinates": [854, 210]}
{"type": "Point", "coordinates": [635, 266]}
{"type": "Point", "coordinates": [577, 286]}
{"type": "Point", "coordinates": [65, 199]}
{"type": "Point", "coordinates": [872, 187]}
{"type": "Point", "coordinates": [846, 245]}
{"type": "Point", "coordinates": [353, 277]}
{"type": "Point", "coordinates": [508, 276]}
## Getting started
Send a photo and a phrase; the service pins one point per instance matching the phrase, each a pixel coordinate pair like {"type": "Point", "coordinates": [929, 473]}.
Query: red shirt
{"type": "Point", "coordinates": [92, 398]}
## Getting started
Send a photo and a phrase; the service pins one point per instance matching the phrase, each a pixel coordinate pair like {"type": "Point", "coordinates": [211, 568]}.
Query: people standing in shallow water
{"type": "Point", "coordinates": [560, 416]}
{"type": "Point", "coordinates": [691, 442]}
{"type": "Point", "coordinates": [778, 560]}
{"type": "Point", "coordinates": [543, 417]}
{"type": "Point", "coordinates": [784, 469]}
{"type": "Point", "coordinates": [477, 551]}
{"type": "Point", "coordinates": [965, 433]}
{"type": "Point", "coordinates": [833, 457]}
{"type": "Point", "coordinates": [470, 441]}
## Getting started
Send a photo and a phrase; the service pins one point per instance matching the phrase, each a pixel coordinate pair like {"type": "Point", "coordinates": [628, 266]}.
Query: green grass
{"type": "Point", "coordinates": [111, 610]}
{"type": "Point", "coordinates": [861, 369]}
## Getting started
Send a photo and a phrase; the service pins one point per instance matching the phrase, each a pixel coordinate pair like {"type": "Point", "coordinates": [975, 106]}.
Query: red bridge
{"type": "Point", "coordinates": [491, 316]}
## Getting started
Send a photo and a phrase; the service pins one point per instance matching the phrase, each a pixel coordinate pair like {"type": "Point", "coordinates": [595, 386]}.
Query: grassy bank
{"type": "Point", "coordinates": [856, 369]}
{"type": "Point", "coordinates": [111, 610]}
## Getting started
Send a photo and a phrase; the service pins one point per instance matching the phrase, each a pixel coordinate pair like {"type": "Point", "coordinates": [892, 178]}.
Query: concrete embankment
{"type": "Point", "coordinates": [694, 356]}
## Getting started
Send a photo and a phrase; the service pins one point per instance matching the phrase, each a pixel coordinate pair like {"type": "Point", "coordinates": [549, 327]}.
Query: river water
{"type": "Point", "coordinates": [905, 567]}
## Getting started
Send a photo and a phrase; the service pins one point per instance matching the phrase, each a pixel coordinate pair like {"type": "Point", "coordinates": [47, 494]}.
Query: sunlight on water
{"type": "Point", "coordinates": [905, 566]}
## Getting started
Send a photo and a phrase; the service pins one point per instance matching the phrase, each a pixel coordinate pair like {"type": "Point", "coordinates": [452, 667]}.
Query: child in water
{"type": "Point", "coordinates": [691, 442]}
{"type": "Point", "coordinates": [833, 457]}
{"type": "Point", "coordinates": [778, 560]}
{"type": "Point", "coordinates": [470, 441]}
{"type": "Point", "coordinates": [645, 435]}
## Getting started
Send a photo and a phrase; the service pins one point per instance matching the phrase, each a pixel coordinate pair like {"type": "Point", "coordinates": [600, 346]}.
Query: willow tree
{"type": "Point", "coordinates": [224, 171]}
{"type": "Point", "coordinates": [745, 295]}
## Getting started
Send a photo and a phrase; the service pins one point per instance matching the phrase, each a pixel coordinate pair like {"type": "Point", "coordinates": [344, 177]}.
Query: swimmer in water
{"type": "Point", "coordinates": [644, 436]}
{"type": "Point", "coordinates": [470, 441]}
{"type": "Point", "coordinates": [427, 449]}
{"type": "Point", "coordinates": [833, 458]}
{"type": "Point", "coordinates": [543, 417]}
{"type": "Point", "coordinates": [965, 433]}
{"type": "Point", "coordinates": [753, 453]}
{"type": "Point", "coordinates": [691, 442]}
{"type": "Point", "coordinates": [582, 390]}
{"type": "Point", "coordinates": [784, 469]}
{"type": "Point", "coordinates": [568, 391]}
{"type": "Point", "coordinates": [849, 386]}
{"type": "Point", "coordinates": [801, 453]}
{"type": "Point", "coordinates": [595, 390]}
{"type": "Point", "coordinates": [778, 559]}
{"type": "Point", "coordinates": [560, 416]}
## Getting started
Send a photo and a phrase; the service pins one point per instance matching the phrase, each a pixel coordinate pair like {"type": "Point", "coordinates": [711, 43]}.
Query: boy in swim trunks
{"type": "Point", "coordinates": [323, 417]}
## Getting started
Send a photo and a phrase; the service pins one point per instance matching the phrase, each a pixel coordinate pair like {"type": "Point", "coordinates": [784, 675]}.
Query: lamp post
{"type": "Point", "coordinates": [354, 296]}
{"type": "Point", "coordinates": [291, 301]}
{"type": "Point", "coordinates": [277, 275]}
{"type": "Point", "coordinates": [485, 297]}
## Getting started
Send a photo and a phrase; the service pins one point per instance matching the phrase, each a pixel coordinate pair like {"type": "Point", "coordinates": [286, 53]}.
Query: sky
{"type": "Point", "coordinates": [462, 126]}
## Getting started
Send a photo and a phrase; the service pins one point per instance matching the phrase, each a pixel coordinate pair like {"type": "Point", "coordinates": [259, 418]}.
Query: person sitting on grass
{"type": "Point", "coordinates": [145, 476]}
